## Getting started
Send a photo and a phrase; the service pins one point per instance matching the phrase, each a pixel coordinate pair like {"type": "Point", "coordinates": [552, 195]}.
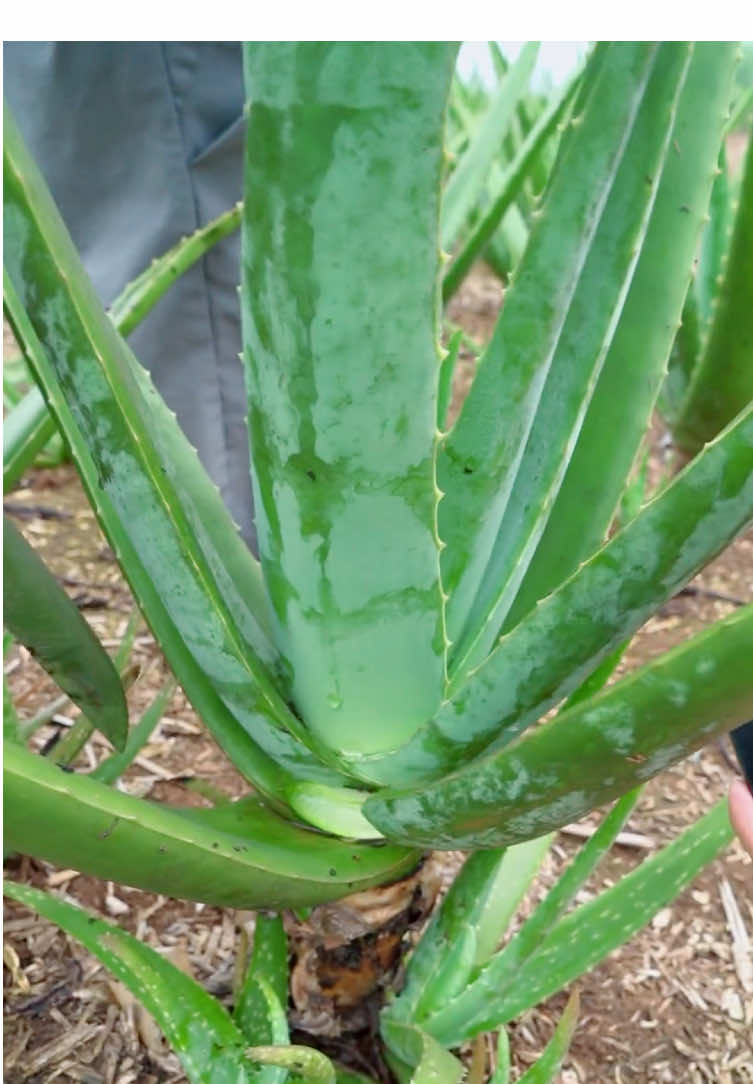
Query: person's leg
{"type": "Point", "coordinates": [141, 143]}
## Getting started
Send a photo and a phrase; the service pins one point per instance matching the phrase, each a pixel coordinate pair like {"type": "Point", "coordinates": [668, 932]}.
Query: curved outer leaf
{"type": "Point", "coordinates": [466, 183]}
{"type": "Point", "coordinates": [139, 296]}
{"type": "Point", "coordinates": [723, 381]}
{"type": "Point", "coordinates": [42, 617]}
{"type": "Point", "coordinates": [595, 751]}
{"type": "Point", "coordinates": [587, 934]}
{"type": "Point", "coordinates": [484, 450]}
{"type": "Point", "coordinates": [581, 349]}
{"type": "Point", "coordinates": [568, 634]}
{"type": "Point", "coordinates": [310, 1066]}
{"type": "Point", "coordinates": [340, 315]}
{"type": "Point", "coordinates": [198, 1028]}
{"type": "Point", "coordinates": [239, 855]}
{"type": "Point", "coordinates": [189, 569]}
{"type": "Point", "coordinates": [29, 426]}
{"type": "Point", "coordinates": [637, 358]}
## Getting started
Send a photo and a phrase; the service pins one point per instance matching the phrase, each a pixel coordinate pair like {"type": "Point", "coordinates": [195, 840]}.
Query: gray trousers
{"type": "Point", "coordinates": [141, 143]}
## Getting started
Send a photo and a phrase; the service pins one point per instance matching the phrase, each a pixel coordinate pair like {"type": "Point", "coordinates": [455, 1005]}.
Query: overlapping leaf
{"type": "Point", "coordinates": [237, 855]}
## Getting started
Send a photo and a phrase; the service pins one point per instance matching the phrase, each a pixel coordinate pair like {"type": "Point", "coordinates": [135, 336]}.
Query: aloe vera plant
{"type": "Point", "coordinates": [711, 376]}
{"type": "Point", "coordinates": [422, 597]}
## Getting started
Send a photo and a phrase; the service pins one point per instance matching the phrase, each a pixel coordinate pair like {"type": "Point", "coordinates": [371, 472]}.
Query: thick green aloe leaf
{"type": "Point", "coordinates": [723, 381]}
{"type": "Point", "coordinates": [467, 927]}
{"type": "Point", "coordinates": [588, 934]}
{"type": "Point", "coordinates": [579, 354]}
{"type": "Point", "coordinates": [467, 181]}
{"type": "Point", "coordinates": [340, 315]}
{"type": "Point", "coordinates": [29, 426]}
{"type": "Point", "coordinates": [587, 755]}
{"type": "Point", "coordinates": [545, 1070]}
{"type": "Point", "coordinates": [506, 189]}
{"type": "Point", "coordinates": [260, 1004]}
{"type": "Point", "coordinates": [198, 1028]}
{"type": "Point", "coordinates": [537, 927]}
{"type": "Point", "coordinates": [264, 1023]}
{"type": "Point", "coordinates": [41, 616]}
{"type": "Point", "coordinates": [501, 1074]}
{"type": "Point", "coordinates": [550, 653]}
{"type": "Point", "coordinates": [505, 458]}
{"type": "Point", "coordinates": [268, 963]}
{"type": "Point", "coordinates": [430, 1063]}
{"type": "Point", "coordinates": [194, 579]}
{"type": "Point", "coordinates": [239, 855]}
{"type": "Point", "coordinates": [635, 365]}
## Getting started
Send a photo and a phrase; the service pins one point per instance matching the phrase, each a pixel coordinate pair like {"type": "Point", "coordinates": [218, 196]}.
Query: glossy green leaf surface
{"type": "Point", "coordinates": [198, 1028]}
{"type": "Point", "coordinates": [340, 273]}
{"type": "Point", "coordinates": [194, 578]}
{"type": "Point", "coordinates": [41, 616]}
{"type": "Point", "coordinates": [587, 934]}
{"type": "Point", "coordinates": [503, 460]}
{"type": "Point", "coordinates": [562, 641]}
{"type": "Point", "coordinates": [239, 855]}
{"type": "Point", "coordinates": [722, 384]}
{"type": "Point", "coordinates": [596, 751]}
{"type": "Point", "coordinates": [636, 362]}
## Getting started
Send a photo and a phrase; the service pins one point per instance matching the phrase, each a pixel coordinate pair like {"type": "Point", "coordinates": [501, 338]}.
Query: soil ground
{"type": "Point", "coordinates": [675, 1004]}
